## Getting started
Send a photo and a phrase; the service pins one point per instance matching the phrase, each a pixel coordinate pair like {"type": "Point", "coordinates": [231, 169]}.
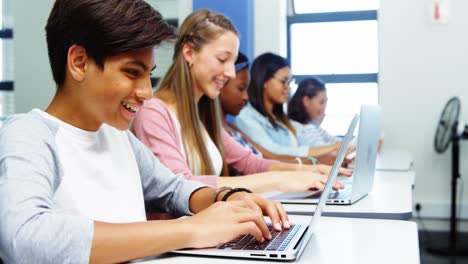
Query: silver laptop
{"type": "Point", "coordinates": [287, 244]}
{"type": "Point", "coordinates": [360, 184]}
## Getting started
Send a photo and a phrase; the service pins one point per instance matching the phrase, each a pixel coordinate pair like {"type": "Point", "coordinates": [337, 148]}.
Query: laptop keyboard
{"type": "Point", "coordinates": [279, 240]}
{"type": "Point", "coordinates": [341, 194]}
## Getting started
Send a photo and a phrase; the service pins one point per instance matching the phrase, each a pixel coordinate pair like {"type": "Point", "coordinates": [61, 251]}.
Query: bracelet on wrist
{"type": "Point", "coordinates": [233, 191]}
{"type": "Point", "coordinates": [313, 160]}
{"type": "Point", "coordinates": [299, 161]}
{"type": "Point", "coordinates": [218, 191]}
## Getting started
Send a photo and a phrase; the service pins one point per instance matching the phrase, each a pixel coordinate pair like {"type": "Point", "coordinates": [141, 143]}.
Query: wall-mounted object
{"type": "Point", "coordinates": [439, 11]}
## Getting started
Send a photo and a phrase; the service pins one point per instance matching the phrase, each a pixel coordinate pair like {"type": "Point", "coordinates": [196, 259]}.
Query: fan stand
{"type": "Point", "coordinates": [454, 247]}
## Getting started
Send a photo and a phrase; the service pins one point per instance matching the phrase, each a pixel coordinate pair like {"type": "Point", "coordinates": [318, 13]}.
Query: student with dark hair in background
{"type": "Point", "coordinates": [306, 109]}
{"type": "Point", "coordinates": [181, 124]}
{"type": "Point", "coordinates": [263, 119]}
{"type": "Point", "coordinates": [233, 97]}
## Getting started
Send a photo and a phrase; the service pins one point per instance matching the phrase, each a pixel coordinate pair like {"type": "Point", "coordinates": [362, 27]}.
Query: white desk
{"type": "Point", "coordinates": [340, 240]}
{"type": "Point", "coordinates": [390, 198]}
{"type": "Point", "coordinates": [394, 160]}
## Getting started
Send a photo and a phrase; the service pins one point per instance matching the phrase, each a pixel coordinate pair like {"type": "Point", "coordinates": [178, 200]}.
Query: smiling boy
{"type": "Point", "coordinates": [74, 181]}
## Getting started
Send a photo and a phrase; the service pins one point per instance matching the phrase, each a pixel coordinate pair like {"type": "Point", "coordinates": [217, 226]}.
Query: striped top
{"type": "Point", "coordinates": [311, 134]}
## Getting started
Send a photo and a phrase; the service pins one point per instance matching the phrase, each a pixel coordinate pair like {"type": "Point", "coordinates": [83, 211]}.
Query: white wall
{"type": "Point", "coordinates": [270, 27]}
{"type": "Point", "coordinates": [421, 66]}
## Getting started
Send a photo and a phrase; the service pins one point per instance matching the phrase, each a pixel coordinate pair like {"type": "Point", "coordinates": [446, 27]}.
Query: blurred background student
{"type": "Point", "coordinates": [263, 119]}
{"type": "Point", "coordinates": [306, 109]}
{"type": "Point", "coordinates": [233, 97]}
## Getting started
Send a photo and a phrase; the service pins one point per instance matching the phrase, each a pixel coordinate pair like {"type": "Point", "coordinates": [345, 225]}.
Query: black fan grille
{"type": "Point", "coordinates": [448, 119]}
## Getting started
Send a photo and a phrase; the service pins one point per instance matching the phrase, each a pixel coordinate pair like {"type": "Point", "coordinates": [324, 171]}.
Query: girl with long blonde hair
{"type": "Point", "coordinates": [181, 124]}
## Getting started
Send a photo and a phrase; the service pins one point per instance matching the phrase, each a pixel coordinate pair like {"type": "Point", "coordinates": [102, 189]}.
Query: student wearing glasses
{"type": "Point", "coordinates": [233, 98]}
{"type": "Point", "coordinates": [263, 119]}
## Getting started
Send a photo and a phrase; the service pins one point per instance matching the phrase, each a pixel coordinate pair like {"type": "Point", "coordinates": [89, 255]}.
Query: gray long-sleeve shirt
{"type": "Point", "coordinates": [31, 171]}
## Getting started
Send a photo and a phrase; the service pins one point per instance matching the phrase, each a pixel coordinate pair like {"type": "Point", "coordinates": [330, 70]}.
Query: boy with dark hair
{"type": "Point", "coordinates": [74, 181]}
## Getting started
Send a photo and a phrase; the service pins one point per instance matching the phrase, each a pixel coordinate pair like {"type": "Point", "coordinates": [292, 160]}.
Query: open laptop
{"type": "Point", "coordinates": [360, 184]}
{"type": "Point", "coordinates": [287, 244]}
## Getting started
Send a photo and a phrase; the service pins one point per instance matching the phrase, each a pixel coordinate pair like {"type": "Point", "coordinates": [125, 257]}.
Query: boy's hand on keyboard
{"type": "Point", "coordinates": [225, 221]}
{"type": "Point", "coordinates": [274, 210]}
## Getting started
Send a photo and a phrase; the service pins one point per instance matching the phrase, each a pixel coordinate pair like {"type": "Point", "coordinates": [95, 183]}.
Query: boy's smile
{"type": "Point", "coordinates": [92, 95]}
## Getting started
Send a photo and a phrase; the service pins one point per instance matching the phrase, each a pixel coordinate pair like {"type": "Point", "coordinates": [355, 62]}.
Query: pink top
{"type": "Point", "coordinates": [155, 127]}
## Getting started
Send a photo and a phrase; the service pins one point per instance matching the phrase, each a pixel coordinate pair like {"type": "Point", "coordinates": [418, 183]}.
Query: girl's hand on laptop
{"type": "Point", "coordinates": [320, 185]}
{"type": "Point", "coordinates": [298, 181]}
{"type": "Point", "coordinates": [320, 181]}
{"type": "Point", "coordinates": [325, 170]}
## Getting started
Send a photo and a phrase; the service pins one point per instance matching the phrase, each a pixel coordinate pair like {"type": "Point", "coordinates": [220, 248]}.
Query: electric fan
{"type": "Point", "coordinates": [450, 130]}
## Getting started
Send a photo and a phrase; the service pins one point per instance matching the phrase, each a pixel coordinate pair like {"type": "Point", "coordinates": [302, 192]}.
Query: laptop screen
{"type": "Point", "coordinates": [331, 179]}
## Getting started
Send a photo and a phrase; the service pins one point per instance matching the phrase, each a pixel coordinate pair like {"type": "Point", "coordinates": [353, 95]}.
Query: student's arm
{"type": "Point", "coordinates": [240, 158]}
{"type": "Point", "coordinates": [155, 128]}
{"type": "Point", "coordinates": [269, 155]}
{"type": "Point", "coordinates": [323, 150]}
{"type": "Point", "coordinates": [31, 229]}
{"type": "Point", "coordinates": [256, 132]}
{"type": "Point", "coordinates": [242, 214]}
{"type": "Point", "coordinates": [219, 223]}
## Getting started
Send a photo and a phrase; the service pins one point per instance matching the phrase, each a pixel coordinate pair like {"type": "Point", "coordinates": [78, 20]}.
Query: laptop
{"type": "Point", "coordinates": [287, 244]}
{"type": "Point", "coordinates": [362, 180]}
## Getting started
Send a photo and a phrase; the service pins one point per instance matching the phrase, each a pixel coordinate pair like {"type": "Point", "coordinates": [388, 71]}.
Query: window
{"type": "Point", "coordinates": [322, 6]}
{"type": "Point", "coordinates": [336, 41]}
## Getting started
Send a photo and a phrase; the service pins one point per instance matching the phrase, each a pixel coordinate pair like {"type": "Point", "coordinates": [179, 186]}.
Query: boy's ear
{"type": "Point", "coordinates": [76, 62]}
{"type": "Point", "coordinates": [188, 52]}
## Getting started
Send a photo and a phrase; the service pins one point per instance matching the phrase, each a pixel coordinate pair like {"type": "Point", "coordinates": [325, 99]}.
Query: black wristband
{"type": "Point", "coordinates": [233, 191]}
{"type": "Point", "coordinates": [218, 191]}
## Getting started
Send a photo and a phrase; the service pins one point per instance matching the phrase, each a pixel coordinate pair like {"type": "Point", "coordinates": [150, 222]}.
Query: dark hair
{"type": "Point", "coordinates": [264, 68]}
{"type": "Point", "coordinates": [242, 62]}
{"type": "Point", "coordinates": [309, 87]}
{"type": "Point", "coordinates": [103, 28]}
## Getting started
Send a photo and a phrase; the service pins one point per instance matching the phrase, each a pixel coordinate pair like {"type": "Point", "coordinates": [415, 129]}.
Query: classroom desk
{"type": "Point", "coordinates": [390, 198]}
{"type": "Point", "coordinates": [339, 240]}
{"type": "Point", "coordinates": [394, 160]}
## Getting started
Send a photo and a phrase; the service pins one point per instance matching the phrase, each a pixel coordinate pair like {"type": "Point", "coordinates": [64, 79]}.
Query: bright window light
{"type": "Point", "coordinates": [345, 100]}
{"type": "Point", "coordinates": [318, 6]}
{"type": "Point", "coordinates": [334, 47]}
